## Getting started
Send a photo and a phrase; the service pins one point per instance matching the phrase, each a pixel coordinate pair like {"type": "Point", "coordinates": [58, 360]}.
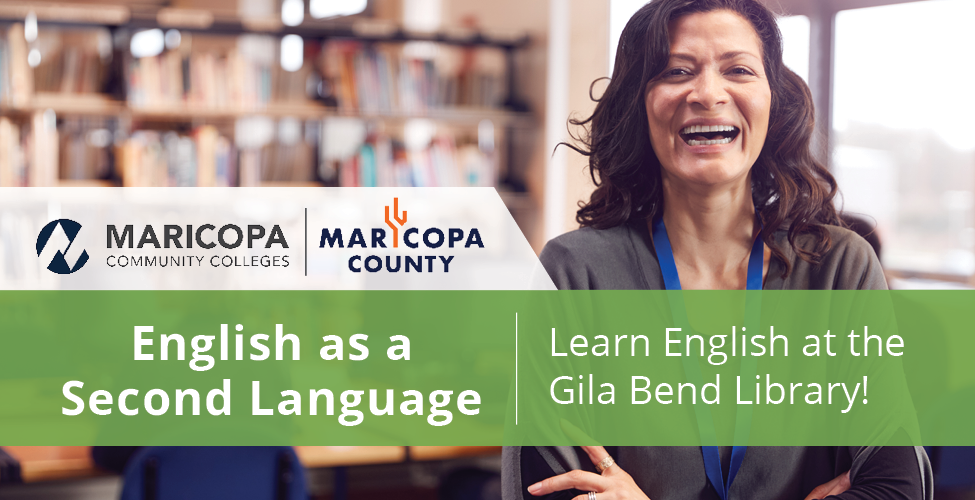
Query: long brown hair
{"type": "Point", "coordinates": [789, 187]}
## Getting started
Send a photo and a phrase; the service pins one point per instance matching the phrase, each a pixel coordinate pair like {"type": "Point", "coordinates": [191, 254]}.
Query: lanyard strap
{"type": "Point", "coordinates": [712, 467]}
{"type": "Point", "coordinates": [668, 268]}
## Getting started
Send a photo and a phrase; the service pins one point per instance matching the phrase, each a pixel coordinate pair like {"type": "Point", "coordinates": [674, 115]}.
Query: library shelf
{"type": "Point", "coordinates": [67, 104]}
{"type": "Point", "coordinates": [314, 110]}
{"type": "Point", "coordinates": [280, 184]}
{"type": "Point", "coordinates": [150, 115]}
{"type": "Point", "coordinates": [201, 21]}
{"type": "Point", "coordinates": [77, 104]}
{"type": "Point", "coordinates": [87, 183]}
{"type": "Point", "coordinates": [66, 13]}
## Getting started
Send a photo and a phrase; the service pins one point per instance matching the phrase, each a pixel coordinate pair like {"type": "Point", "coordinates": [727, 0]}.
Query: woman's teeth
{"type": "Point", "coordinates": [708, 135]}
{"type": "Point", "coordinates": [692, 142]}
{"type": "Point", "coordinates": [707, 128]}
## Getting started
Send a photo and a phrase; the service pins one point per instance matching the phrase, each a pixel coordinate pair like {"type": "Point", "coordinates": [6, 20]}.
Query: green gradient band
{"type": "Point", "coordinates": [592, 367]}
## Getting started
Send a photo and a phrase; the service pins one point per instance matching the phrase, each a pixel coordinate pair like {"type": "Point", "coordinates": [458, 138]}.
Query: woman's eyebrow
{"type": "Point", "coordinates": [734, 54]}
{"type": "Point", "coordinates": [727, 55]}
{"type": "Point", "coordinates": [686, 57]}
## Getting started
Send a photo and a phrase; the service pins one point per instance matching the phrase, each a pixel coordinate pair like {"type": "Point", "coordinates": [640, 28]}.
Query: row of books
{"type": "Point", "coordinates": [151, 158]}
{"type": "Point", "coordinates": [28, 152]}
{"type": "Point", "coordinates": [385, 78]}
{"type": "Point", "coordinates": [385, 162]}
{"type": "Point", "coordinates": [205, 157]}
{"type": "Point", "coordinates": [72, 61]}
{"type": "Point", "coordinates": [85, 147]}
{"type": "Point", "coordinates": [14, 157]}
{"type": "Point", "coordinates": [245, 72]}
{"type": "Point", "coordinates": [4, 68]}
{"type": "Point", "coordinates": [67, 61]}
{"type": "Point", "coordinates": [234, 78]}
{"type": "Point", "coordinates": [16, 78]}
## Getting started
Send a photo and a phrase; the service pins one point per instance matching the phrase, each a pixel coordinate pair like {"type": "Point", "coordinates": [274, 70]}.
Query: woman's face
{"type": "Point", "coordinates": [709, 110]}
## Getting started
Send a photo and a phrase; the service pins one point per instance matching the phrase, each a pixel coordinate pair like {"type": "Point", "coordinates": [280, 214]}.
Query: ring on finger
{"type": "Point", "coordinates": [592, 495]}
{"type": "Point", "coordinates": [604, 464]}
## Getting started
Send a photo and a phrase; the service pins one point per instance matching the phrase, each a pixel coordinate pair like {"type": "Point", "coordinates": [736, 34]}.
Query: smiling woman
{"type": "Point", "coordinates": [682, 66]}
{"type": "Point", "coordinates": [708, 111]}
{"type": "Point", "coordinates": [699, 149]}
{"type": "Point", "coordinates": [704, 134]}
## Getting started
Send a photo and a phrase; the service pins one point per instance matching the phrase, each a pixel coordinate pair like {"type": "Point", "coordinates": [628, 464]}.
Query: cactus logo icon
{"type": "Point", "coordinates": [397, 218]}
{"type": "Point", "coordinates": [55, 245]}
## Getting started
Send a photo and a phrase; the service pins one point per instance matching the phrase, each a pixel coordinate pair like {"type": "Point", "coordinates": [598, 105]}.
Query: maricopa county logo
{"type": "Point", "coordinates": [432, 238]}
{"type": "Point", "coordinates": [55, 246]}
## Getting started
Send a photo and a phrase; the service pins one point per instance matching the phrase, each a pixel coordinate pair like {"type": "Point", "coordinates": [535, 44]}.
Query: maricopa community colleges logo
{"type": "Point", "coordinates": [55, 245]}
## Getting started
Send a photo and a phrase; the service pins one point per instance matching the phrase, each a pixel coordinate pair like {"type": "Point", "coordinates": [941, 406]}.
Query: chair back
{"type": "Point", "coordinates": [205, 472]}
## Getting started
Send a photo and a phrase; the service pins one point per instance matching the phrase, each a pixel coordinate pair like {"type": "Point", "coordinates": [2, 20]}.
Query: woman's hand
{"type": "Point", "coordinates": [838, 485]}
{"type": "Point", "coordinates": [613, 484]}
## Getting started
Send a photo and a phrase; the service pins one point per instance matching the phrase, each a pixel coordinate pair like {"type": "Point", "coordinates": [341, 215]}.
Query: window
{"type": "Point", "coordinates": [795, 44]}
{"type": "Point", "coordinates": [620, 11]}
{"type": "Point", "coordinates": [903, 138]}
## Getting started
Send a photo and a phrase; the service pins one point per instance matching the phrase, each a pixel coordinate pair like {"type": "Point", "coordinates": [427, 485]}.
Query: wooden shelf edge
{"type": "Point", "coordinates": [72, 104]}
{"type": "Point", "coordinates": [430, 453]}
{"type": "Point", "coordinates": [103, 105]}
{"type": "Point", "coordinates": [290, 184]}
{"type": "Point", "coordinates": [196, 20]}
{"type": "Point", "coordinates": [60, 12]}
{"type": "Point", "coordinates": [72, 183]}
{"type": "Point", "coordinates": [185, 112]}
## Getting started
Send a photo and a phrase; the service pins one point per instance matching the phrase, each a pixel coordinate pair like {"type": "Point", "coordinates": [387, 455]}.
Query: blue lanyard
{"type": "Point", "coordinates": [665, 255]}
{"type": "Point", "coordinates": [712, 467]}
{"type": "Point", "coordinates": [668, 267]}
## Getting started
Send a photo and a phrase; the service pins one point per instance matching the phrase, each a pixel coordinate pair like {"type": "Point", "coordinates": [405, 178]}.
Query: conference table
{"type": "Point", "coordinates": [47, 463]}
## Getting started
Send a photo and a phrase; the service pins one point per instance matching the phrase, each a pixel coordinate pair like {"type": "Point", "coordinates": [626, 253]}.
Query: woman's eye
{"type": "Point", "coordinates": [742, 71]}
{"type": "Point", "coordinates": [677, 72]}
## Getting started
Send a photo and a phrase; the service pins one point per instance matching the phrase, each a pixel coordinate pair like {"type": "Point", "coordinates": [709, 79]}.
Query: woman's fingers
{"type": "Point", "coordinates": [821, 491]}
{"type": "Point", "coordinates": [840, 484]}
{"type": "Point", "coordinates": [614, 484]}
{"type": "Point", "coordinates": [837, 485]}
{"type": "Point", "coordinates": [597, 454]}
{"type": "Point", "coordinates": [578, 479]}
{"type": "Point", "coordinates": [600, 496]}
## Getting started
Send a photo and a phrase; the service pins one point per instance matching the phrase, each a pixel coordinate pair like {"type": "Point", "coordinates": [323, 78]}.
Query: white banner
{"type": "Point", "coordinates": [262, 239]}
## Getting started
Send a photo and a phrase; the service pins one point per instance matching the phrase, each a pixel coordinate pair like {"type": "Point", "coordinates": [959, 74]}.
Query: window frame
{"type": "Point", "coordinates": [822, 31]}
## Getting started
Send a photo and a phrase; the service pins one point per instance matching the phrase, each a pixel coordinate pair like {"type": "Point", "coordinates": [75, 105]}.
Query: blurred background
{"type": "Point", "coordinates": [458, 93]}
{"type": "Point", "coordinates": [464, 93]}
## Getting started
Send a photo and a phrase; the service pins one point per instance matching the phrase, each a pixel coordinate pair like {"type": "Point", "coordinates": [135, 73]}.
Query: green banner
{"type": "Point", "coordinates": [486, 368]}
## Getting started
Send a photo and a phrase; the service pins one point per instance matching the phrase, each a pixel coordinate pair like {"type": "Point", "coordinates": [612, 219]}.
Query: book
{"type": "Point", "coordinates": [382, 78]}
{"type": "Point", "coordinates": [242, 75]}
{"type": "Point", "coordinates": [450, 159]}
{"type": "Point", "coordinates": [153, 158]}
{"type": "Point", "coordinates": [12, 157]}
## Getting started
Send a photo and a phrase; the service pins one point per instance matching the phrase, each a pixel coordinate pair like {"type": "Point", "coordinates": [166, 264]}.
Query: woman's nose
{"type": "Point", "coordinates": [708, 90]}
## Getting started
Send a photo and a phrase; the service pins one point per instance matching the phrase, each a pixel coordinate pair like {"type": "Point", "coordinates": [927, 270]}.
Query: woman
{"type": "Point", "coordinates": [700, 151]}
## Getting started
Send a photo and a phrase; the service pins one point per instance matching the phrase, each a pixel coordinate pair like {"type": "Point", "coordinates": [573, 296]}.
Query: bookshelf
{"type": "Point", "coordinates": [138, 114]}
{"type": "Point", "coordinates": [103, 105]}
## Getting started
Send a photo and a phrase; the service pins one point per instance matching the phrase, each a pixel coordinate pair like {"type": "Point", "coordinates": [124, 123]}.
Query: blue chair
{"type": "Point", "coordinates": [187, 473]}
{"type": "Point", "coordinates": [955, 469]}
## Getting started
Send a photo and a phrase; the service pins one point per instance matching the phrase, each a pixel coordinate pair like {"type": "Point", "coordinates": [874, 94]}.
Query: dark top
{"type": "Point", "coordinates": [767, 472]}
{"type": "Point", "coordinates": [622, 258]}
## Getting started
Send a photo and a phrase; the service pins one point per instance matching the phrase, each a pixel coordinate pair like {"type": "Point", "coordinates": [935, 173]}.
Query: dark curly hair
{"type": "Point", "coordinates": [790, 188]}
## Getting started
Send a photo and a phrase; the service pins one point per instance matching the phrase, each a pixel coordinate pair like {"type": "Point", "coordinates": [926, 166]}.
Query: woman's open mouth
{"type": "Point", "coordinates": [707, 135]}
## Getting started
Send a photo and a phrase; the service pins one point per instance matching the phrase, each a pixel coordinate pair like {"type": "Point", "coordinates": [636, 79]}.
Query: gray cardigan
{"type": "Point", "coordinates": [622, 258]}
